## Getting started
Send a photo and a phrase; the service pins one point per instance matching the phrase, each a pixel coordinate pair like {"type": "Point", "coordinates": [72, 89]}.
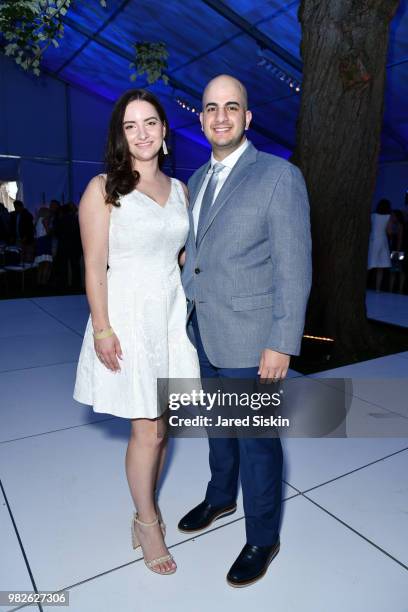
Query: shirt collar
{"type": "Point", "coordinates": [233, 157]}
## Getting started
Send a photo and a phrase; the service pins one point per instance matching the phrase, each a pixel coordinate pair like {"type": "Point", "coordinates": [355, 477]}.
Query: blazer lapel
{"type": "Point", "coordinates": [197, 184]}
{"type": "Point", "coordinates": [235, 178]}
{"type": "Point", "coordinates": [191, 243]}
{"type": "Point", "coordinates": [194, 190]}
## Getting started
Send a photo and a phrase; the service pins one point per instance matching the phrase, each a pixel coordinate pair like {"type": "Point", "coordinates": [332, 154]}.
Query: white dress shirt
{"type": "Point", "coordinates": [229, 162]}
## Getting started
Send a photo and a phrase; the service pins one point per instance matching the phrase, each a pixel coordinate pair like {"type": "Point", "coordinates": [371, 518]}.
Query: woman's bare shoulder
{"type": "Point", "coordinates": [94, 194]}
{"type": "Point", "coordinates": [98, 182]}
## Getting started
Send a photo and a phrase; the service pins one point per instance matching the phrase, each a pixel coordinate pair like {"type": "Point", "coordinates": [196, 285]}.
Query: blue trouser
{"type": "Point", "coordinates": [258, 459]}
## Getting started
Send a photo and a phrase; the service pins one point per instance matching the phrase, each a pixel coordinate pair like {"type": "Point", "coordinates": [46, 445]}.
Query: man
{"type": "Point", "coordinates": [247, 279]}
{"type": "Point", "coordinates": [21, 225]}
{"type": "Point", "coordinates": [22, 231]}
{"type": "Point", "coordinates": [69, 248]}
{"type": "Point", "coordinates": [4, 223]}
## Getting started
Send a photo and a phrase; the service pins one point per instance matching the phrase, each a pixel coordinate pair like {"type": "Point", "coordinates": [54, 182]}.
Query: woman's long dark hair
{"type": "Point", "coordinates": [121, 178]}
{"type": "Point", "coordinates": [383, 207]}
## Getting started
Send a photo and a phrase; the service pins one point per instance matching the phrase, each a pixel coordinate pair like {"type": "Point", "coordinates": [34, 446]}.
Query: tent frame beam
{"type": "Point", "coordinates": [245, 26]}
{"type": "Point", "coordinates": [90, 38]}
{"type": "Point", "coordinates": [176, 84]}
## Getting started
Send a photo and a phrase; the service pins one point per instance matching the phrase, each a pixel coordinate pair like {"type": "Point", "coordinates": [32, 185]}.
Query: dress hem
{"type": "Point", "coordinates": [121, 416]}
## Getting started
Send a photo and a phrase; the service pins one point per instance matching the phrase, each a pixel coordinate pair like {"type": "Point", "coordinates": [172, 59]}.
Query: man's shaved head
{"type": "Point", "coordinates": [224, 80]}
{"type": "Point", "coordinates": [225, 115]}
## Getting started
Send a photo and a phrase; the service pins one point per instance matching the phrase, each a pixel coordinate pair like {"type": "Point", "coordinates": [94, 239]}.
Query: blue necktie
{"type": "Point", "coordinates": [208, 198]}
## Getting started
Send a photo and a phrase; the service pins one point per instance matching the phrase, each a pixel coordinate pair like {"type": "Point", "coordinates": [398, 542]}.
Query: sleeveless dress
{"type": "Point", "coordinates": [379, 251]}
{"type": "Point", "coordinates": [43, 243]}
{"type": "Point", "coordinates": [147, 309]}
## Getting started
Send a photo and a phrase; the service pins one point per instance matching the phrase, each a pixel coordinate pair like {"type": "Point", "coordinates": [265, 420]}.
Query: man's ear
{"type": "Point", "coordinates": [201, 121]}
{"type": "Point", "coordinates": [248, 118]}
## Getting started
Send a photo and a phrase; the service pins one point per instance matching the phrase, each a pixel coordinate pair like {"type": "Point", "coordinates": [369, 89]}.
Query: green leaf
{"type": "Point", "coordinates": [151, 60]}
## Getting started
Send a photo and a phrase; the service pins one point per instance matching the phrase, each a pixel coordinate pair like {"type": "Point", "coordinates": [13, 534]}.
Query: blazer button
{"type": "Point", "coordinates": [197, 270]}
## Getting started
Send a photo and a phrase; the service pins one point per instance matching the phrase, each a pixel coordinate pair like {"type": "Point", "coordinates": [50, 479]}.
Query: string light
{"type": "Point", "coordinates": [268, 64]}
{"type": "Point", "coordinates": [187, 106]}
{"type": "Point", "coordinates": [321, 338]}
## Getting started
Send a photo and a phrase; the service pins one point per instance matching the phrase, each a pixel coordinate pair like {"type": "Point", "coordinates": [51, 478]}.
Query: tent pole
{"type": "Point", "coordinates": [69, 142]}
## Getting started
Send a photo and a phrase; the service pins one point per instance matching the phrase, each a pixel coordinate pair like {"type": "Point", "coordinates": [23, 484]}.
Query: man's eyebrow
{"type": "Point", "coordinates": [226, 104]}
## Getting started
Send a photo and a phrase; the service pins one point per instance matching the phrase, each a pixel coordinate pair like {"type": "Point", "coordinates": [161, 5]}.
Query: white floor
{"type": "Point", "coordinates": [65, 508]}
{"type": "Point", "coordinates": [389, 307]}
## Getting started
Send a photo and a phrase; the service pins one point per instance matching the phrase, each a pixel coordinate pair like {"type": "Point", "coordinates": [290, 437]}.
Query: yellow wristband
{"type": "Point", "coordinates": [106, 333]}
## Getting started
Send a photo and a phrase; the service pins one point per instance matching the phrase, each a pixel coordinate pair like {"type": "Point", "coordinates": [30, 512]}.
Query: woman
{"type": "Point", "coordinates": [43, 246]}
{"type": "Point", "coordinates": [135, 220]}
{"type": "Point", "coordinates": [379, 251]}
{"type": "Point", "coordinates": [397, 248]}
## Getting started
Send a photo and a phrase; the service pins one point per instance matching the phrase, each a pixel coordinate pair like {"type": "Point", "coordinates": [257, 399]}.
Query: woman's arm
{"type": "Point", "coordinates": [182, 255]}
{"type": "Point", "coordinates": [94, 225]}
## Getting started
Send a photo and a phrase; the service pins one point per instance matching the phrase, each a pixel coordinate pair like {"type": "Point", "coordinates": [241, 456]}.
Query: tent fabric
{"type": "Point", "coordinates": [43, 181]}
{"type": "Point", "coordinates": [204, 40]}
{"type": "Point", "coordinates": [9, 169]}
{"type": "Point", "coordinates": [59, 121]}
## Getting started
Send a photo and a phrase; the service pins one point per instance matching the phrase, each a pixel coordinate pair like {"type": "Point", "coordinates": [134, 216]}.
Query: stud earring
{"type": "Point", "coordinates": [165, 149]}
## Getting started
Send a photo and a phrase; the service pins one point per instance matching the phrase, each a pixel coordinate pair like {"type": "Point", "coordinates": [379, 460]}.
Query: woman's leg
{"type": "Point", "coordinates": [401, 281]}
{"type": "Point", "coordinates": [378, 279]}
{"type": "Point", "coordinates": [392, 280]}
{"type": "Point", "coordinates": [47, 272]}
{"type": "Point", "coordinates": [161, 462]}
{"type": "Point", "coordinates": [39, 274]}
{"type": "Point", "coordinates": [143, 457]}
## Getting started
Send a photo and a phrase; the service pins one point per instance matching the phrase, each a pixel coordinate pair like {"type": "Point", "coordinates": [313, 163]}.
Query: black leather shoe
{"type": "Point", "coordinates": [202, 516]}
{"type": "Point", "coordinates": [251, 564]}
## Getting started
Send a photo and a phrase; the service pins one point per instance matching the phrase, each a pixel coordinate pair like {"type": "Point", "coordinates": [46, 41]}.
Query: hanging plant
{"type": "Point", "coordinates": [29, 27]}
{"type": "Point", "coordinates": [151, 60]}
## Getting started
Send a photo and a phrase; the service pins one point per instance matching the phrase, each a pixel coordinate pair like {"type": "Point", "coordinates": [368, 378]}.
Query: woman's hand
{"type": "Point", "coordinates": [182, 257]}
{"type": "Point", "coordinates": [108, 350]}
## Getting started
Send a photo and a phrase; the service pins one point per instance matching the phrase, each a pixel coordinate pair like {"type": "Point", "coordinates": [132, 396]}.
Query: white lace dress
{"type": "Point", "coordinates": [379, 251]}
{"type": "Point", "coordinates": [147, 309]}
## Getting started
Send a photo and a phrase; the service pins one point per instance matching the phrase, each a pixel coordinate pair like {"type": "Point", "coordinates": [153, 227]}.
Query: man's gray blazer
{"type": "Point", "coordinates": [250, 275]}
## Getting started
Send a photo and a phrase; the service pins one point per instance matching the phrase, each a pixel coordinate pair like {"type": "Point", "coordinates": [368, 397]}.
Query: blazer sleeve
{"type": "Point", "coordinates": [290, 249]}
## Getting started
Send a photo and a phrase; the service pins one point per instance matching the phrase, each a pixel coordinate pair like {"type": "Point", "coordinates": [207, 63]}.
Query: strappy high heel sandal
{"type": "Point", "coordinates": [136, 543]}
{"type": "Point", "coordinates": [159, 516]}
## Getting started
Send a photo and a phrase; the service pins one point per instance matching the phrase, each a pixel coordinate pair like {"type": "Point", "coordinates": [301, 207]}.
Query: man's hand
{"type": "Point", "coordinates": [273, 366]}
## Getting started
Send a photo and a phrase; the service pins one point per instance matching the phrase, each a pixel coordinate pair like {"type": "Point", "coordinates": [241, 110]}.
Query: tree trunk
{"type": "Point", "coordinates": [344, 50]}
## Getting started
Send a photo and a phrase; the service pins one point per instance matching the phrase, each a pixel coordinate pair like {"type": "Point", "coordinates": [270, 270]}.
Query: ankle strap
{"type": "Point", "coordinates": [139, 522]}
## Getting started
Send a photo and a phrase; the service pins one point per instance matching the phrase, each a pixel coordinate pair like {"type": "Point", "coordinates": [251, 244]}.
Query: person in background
{"type": "Point", "coordinates": [55, 208]}
{"type": "Point", "coordinates": [43, 246]}
{"type": "Point", "coordinates": [4, 224]}
{"type": "Point", "coordinates": [69, 249]}
{"type": "Point", "coordinates": [398, 247]}
{"type": "Point", "coordinates": [379, 250]}
{"type": "Point", "coordinates": [22, 230]}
